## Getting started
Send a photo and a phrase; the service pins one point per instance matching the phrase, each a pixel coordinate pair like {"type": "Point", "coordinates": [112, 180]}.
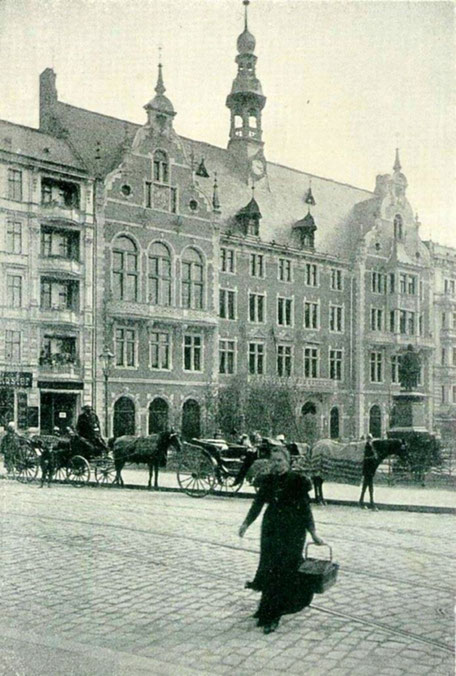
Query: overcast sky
{"type": "Point", "coordinates": [345, 81]}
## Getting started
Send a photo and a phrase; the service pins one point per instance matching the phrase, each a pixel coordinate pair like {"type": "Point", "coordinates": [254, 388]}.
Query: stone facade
{"type": "Point", "coordinates": [205, 265]}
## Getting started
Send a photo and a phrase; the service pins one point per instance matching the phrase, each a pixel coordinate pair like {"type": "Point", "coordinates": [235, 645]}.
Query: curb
{"type": "Point", "coordinates": [381, 506]}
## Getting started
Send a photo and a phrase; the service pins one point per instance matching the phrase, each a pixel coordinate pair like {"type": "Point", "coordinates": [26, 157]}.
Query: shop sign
{"type": "Point", "coordinates": [15, 379]}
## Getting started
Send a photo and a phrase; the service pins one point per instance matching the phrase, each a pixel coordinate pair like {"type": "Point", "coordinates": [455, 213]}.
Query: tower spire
{"type": "Point", "coordinates": [397, 162]}
{"type": "Point", "coordinates": [246, 99]}
{"type": "Point", "coordinates": [160, 110]}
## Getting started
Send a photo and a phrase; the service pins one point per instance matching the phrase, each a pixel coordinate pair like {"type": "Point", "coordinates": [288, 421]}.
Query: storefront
{"type": "Point", "coordinates": [14, 400]}
{"type": "Point", "coordinates": [59, 404]}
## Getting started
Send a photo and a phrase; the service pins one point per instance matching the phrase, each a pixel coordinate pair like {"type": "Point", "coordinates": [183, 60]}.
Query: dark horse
{"type": "Point", "coordinates": [151, 451]}
{"type": "Point", "coordinates": [331, 460]}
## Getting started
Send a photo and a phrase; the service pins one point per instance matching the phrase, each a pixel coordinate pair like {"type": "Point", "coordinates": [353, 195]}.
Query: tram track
{"type": "Point", "coordinates": [393, 631]}
{"type": "Point", "coordinates": [219, 545]}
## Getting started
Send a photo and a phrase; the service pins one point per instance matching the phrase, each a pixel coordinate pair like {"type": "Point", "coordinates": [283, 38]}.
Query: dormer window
{"type": "Point", "coordinates": [161, 167]}
{"type": "Point", "coordinates": [249, 218]}
{"type": "Point", "coordinates": [398, 226]}
{"type": "Point", "coordinates": [253, 227]}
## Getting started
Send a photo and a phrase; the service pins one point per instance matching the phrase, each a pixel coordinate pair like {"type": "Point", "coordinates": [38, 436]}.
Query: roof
{"type": "Point", "coordinates": [35, 144]}
{"type": "Point", "coordinates": [280, 195]}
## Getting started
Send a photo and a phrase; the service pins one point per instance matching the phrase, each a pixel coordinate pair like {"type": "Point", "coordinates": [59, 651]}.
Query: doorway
{"type": "Point", "coordinates": [191, 423]}
{"type": "Point", "coordinates": [57, 409]}
{"type": "Point", "coordinates": [124, 417]}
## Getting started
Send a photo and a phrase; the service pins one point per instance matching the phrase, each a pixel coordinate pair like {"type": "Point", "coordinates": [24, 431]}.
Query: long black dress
{"type": "Point", "coordinates": [283, 533]}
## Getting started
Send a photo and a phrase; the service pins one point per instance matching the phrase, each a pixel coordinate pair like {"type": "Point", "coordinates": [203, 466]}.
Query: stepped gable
{"type": "Point", "coordinates": [35, 144]}
{"type": "Point", "coordinates": [281, 198]}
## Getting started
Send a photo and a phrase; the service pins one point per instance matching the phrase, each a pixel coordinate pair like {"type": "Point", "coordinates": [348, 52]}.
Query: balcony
{"type": "Point", "coordinates": [125, 309]}
{"type": "Point", "coordinates": [60, 212]}
{"type": "Point", "coordinates": [60, 364]}
{"type": "Point", "coordinates": [60, 314]}
{"type": "Point", "coordinates": [60, 264]}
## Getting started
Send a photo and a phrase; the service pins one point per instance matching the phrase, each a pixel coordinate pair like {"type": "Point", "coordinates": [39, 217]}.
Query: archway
{"type": "Point", "coordinates": [191, 419]}
{"type": "Point", "coordinates": [309, 421]}
{"type": "Point", "coordinates": [124, 417]}
{"type": "Point", "coordinates": [375, 421]}
{"type": "Point", "coordinates": [334, 423]}
{"type": "Point", "coordinates": [158, 416]}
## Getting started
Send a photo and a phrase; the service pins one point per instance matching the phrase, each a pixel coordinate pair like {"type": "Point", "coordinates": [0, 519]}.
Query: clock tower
{"type": "Point", "coordinates": [246, 101]}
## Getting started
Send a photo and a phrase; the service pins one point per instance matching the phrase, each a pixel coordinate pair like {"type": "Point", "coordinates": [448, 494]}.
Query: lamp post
{"type": "Point", "coordinates": [106, 359]}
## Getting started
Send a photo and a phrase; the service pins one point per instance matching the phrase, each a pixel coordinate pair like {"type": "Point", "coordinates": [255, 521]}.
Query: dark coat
{"type": "Point", "coordinates": [88, 426]}
{"type": "Point", "coordinates": [283, 532]}
{"type": "Point", "coordinates": [370, 461]}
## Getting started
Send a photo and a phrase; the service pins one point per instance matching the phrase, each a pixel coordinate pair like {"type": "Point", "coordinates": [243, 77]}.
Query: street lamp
{"type": "Point", "coordinates": [106, 359]}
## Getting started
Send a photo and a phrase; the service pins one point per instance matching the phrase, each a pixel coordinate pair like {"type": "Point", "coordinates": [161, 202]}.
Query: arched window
{"type": "Point", "coordinates": [159, 275]}
{"type": "Point", "coordinates": [125, 269]}
{"type": "Point", "coordinates": [124, 417]}
{"type": "Point", "coordinates": [191, 419]}
{"type": "Point", "coordinates": [375, 421]}
{"type": "Point", "coordinates": [398, 229]}
{"type": "Point", "coordinates": [192, 280]}
{"type": "Point", "coordinates": [161, 167]}
{"type": "Point", "coordinates": [334, 423]}
{"type": "Point", "coordinates": [158, 416]}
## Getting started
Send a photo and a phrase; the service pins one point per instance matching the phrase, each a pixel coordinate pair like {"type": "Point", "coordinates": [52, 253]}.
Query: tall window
{"type": "Point", "coordinates": [161, 167]}
{"type": "Point", "coordinates": [311, 362]}
{"type": "Point", "coordinates": [310, 315]}
{"type": "Point", "coordinates": [226, 356]}
{"type": "Point", "coordinates": [284, 312]}
{"type": "Point", "coordinates": [148, 194]}
{"type": "Point", "coordinates": [335, 364]}
{"type": "Point", "coordinates": [256, 307]}
{"type": "Point", "coordinates": [125, 347]}
{"type": "Point", "coordinates": [159, 275]}
{"type": "Point", "coordinates": [192, 353]}
{"type": "Point", "coordinates": [284, 270]}
{"type": "Point", "coordinates": [12, 346]}
{"type": "Point", "coordinates": [256, 265]}
{"type": "Point", "coordinates": [336, 318]}
{"type": "Point", "coordinates": [159, 342]}
{"type": "Point", "coordinates": [376, 367]}
{"type": "Point", "coordinates": [406, 323]}
{"type": "Point", "coordinates": [14, 237]}
{"type": "Point", "coordinates": [14, 290]}
{"type": "Point", "coordinates": [227, 260]}
{"type": "Point", "coordinates": [226, 304]}
{"type": "Point", "coordinates": [395, 365]}
{"type": "Point", "coordinates": [378, 282]}
{"type": "Point", "coordinates": [311, 274]}
{"type": "Point", "coordinates": [398, 226]}
{"type": "Point", "coordinates": [392, 282]}
{"type": "Point", "coordinates": [125, 269]}
{"type": "Point", "coordinates": [256, 358]}
{"type": "Point", "coordinates": [15, 184]}
{"type": "Point", "coordinates": [192, 280]}
{"type": "Point", "coordinates": [284, 360]}
{"type": "Point", "coordinates": [376, 319]}
{"type": "Point", "coordinates": [336, 279]}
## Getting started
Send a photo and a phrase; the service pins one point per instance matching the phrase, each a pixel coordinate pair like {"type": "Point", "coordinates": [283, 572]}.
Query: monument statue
{"type": "Point", "coordinates": [409, 369]}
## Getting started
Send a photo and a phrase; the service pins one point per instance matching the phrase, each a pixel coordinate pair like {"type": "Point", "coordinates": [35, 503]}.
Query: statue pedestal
{"type": "Point", "coordinates": [409, 414]}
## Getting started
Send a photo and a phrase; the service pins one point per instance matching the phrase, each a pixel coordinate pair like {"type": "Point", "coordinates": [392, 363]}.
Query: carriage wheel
{"type": "Point", "coordinates": [224, 485]}
{"type": "Point", "coordinates": [78, 471]}
{"type": "Point", "coordinates": [105, 472]}
{"type": "Point", "coordinates": [27, 465]}
{"type": "Point", "coordinates": [195, 473]}
{"type": "Point", "coordinates": [60, 474]}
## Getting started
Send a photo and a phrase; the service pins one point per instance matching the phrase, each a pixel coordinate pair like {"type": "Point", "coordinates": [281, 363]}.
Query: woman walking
{"type": "Point", "coordinates": [287, 518]}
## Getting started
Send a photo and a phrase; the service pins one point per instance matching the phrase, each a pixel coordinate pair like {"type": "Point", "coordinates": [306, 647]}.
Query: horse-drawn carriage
{"type": "Point", "coordinates": [20, 457]}
{"type": "Point", "coordinates": [212, 465]}
{"type": "Point", "coordinates": [73, 459]}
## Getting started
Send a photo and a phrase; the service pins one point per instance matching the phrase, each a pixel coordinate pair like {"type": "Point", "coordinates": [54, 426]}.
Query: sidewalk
{"type": "Point", "coordinates": [406, 498]}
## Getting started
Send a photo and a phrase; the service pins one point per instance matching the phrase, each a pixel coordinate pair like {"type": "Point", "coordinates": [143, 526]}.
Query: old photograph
{"type": "Point", "coordinates": [227, 337]}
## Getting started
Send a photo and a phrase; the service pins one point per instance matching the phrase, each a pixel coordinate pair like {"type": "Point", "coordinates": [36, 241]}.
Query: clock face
{"type": "Point", "coordinates": [258, 167]}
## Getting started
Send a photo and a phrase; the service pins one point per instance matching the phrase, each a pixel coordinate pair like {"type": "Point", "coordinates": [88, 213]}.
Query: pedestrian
{"type": "Point", "coordinates": [283, 532]}
{"type": "Point", "coordinates": [9, 446]}
{"type": "Point", "coordinates": [370, 464]}
{"type": "Point", "coordinates": [248, 458]}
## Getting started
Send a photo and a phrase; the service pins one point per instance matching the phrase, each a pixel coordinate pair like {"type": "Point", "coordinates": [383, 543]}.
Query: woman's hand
{"type": "Point", "coordinates": [317, 540]}
{"type": "Point", "coordinates": [242, 530]}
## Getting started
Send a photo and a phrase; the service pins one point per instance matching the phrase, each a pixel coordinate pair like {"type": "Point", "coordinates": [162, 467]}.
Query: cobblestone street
{"type": "Point", "coordinates": [98, 581]}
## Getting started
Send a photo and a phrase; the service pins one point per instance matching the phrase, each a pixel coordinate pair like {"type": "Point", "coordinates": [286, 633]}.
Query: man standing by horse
{"type": "Point", "coordinates": [88, 427]}
{"type": "Point", "coordinates": [370, 464]}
